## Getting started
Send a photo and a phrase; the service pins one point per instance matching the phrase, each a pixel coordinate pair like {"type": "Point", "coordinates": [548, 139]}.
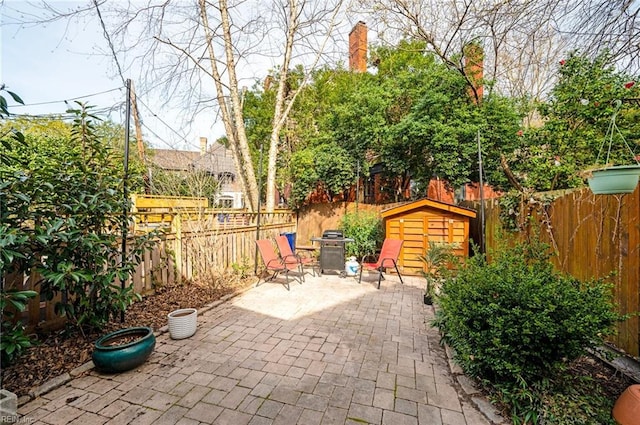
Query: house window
{"type": "Point", "coordinates": [369, 190]}
{"type": "Point", "coordinates": [225, 202]}
{"type": "Point", "coordinates": [226, 177]}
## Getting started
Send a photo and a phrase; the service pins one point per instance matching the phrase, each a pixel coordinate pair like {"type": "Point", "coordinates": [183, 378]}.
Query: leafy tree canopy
{"type": "Point", "coordinates": [48, 143]}
{"type": "Point", "coordinates": [327, 167]}
{"type": "Point", "coordinates": [575, 130]}
{"type": "Point", "coordinates": [415, 117]}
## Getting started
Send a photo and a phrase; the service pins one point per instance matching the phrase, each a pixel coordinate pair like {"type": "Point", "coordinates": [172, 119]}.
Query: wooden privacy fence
{"type": "Point", "coordinates": [193, 246]}
{"type": "Point", "coordinates": [199, 251]}
{"type": "Point", "coordinates": [593, 236]}
{"type": "Point", "coordinates": [315, 218]}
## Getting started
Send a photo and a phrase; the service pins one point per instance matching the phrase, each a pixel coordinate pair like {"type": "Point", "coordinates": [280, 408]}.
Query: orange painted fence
{"type": "Point", "coordinates": [593, 236]}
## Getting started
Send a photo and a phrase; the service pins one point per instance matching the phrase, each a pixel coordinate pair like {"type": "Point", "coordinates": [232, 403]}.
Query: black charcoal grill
{"type": "Point", "coordinates": [332, 250]}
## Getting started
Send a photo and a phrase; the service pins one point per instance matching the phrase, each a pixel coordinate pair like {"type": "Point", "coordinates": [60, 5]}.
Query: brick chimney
{"type": "Point", "coordinates": [358, 48]}
{"type": "Point", "coordinates": [267, 82]}
{"type": "Point", "coordinates": [203, 146]}
{"type": "Point", "coordinates": [474, 69]}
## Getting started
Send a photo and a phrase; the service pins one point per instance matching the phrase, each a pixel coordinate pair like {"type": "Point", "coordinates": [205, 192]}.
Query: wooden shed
{"type": "Point", "coordinates": [426, 220]}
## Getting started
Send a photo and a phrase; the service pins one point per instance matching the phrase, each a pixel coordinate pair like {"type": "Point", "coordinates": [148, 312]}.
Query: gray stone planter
{"type": "Point", "coordinates": [8, 407]}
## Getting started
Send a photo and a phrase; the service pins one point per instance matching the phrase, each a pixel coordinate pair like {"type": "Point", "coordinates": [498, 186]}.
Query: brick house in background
{"type": "Point", "coordinates": [375, 189]}
{"type": "Point", "coordinates": [216, 161]}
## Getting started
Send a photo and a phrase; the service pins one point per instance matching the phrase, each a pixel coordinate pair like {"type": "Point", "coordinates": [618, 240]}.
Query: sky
{"type": "Point", "coordinates": [68, 60]}
{"type": "Point", "coordinates": [48, 64]}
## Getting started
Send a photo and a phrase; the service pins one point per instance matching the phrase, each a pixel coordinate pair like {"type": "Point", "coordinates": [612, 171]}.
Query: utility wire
{"type": "Point", "coordinates": [64, 115]}
{"type": "Point", "coordinates": [113, 50]}
{"type": "Point", "coordinates": [100, 111]}
{"type": "Point", "coordinates": [66, 100]}
{"type": "Point", "coordinates": [182, 137]}
{"type": "Point", "coordinates": [160, 138]}
{"type": "Point", "coordinates": [173, 148]}
{"type": "Point", "coordinates": [169, 144]}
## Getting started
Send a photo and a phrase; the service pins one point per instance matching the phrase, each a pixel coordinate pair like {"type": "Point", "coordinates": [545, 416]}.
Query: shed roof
{"type": "Point", "coordinates": [430, 203]}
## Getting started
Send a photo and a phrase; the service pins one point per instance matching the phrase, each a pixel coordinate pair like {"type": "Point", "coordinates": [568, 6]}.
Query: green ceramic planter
{"type": "Point", "coordinates": [612, 180]}
{"type": "Point", "coordinates": [124, 349]}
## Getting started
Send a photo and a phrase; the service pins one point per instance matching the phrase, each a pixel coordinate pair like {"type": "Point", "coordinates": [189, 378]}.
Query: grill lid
{"type": "Point", "coordinates": [332, 234]}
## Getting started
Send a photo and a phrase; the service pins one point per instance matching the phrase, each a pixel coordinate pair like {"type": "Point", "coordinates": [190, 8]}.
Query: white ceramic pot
{"type": "Point", "coordinates": [183, 323]}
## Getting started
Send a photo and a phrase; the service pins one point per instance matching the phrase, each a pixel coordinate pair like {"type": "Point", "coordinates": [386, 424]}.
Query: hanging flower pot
{"type": "Point", "coordinates": [610, 180]}
{"type": "Point", "coordinates": [183, 323]}
{"type": "Point", "coordinates": [123, 350]}
{"type": "Point", "coordinates": [618, 179]}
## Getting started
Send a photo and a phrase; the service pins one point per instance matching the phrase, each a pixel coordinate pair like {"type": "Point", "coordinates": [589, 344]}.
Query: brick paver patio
{"type": "Point", "coordinates": [329, 351]}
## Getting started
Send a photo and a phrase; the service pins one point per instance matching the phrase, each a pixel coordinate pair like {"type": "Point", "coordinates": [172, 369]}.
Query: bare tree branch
{"type": "Point", "coordinates": [299, 25]}
{"type": "Point", "coordinates": [523, 40]}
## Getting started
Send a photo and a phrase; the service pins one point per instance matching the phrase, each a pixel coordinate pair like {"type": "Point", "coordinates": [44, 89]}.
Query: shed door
{"type": "Point", "coordinates": [449, 230]}
{"type": "Point", "coordinates": [413, 235]}
{"type": "Point", "coordinates": [418, 231]}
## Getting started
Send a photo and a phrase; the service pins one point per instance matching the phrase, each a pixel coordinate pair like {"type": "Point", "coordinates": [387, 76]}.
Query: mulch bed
{"type": "Point", "coordinates": [611, 381]}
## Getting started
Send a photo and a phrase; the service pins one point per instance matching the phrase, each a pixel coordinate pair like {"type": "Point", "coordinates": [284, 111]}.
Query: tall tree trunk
{"type": "Point", "coordinates": [238, 118]}
{"type": "Point", "coordinates": [280, 112]}
{"type": "Point", "coordinates": [232, 119]}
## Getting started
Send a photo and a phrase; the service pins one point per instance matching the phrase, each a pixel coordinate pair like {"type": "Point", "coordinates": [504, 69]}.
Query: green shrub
{"type": "Point", "coordinates": [61, 217]}
{"type": "Point", "coordinates": [516, 322]}
{"type": "Point", "coordinates": [437, 257]}
{"type": "Point", "coordinates": [13, 340]}
{"type": "Point", "coordinates": [366, 230]}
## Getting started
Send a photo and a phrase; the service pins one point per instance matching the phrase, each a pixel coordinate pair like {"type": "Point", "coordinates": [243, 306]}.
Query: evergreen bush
{"type": "Point", "coordinates": [515, 322]}
{"type": "Point", "coordinates": [62, 218]}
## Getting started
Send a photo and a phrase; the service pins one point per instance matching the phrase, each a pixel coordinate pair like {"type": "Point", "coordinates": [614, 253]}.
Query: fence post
{"type": "Point", "coordinates": [176, 228]}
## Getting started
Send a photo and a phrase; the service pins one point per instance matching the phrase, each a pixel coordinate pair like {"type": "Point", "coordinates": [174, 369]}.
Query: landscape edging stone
{"type": "Point", "coordinates": [59, 381]}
